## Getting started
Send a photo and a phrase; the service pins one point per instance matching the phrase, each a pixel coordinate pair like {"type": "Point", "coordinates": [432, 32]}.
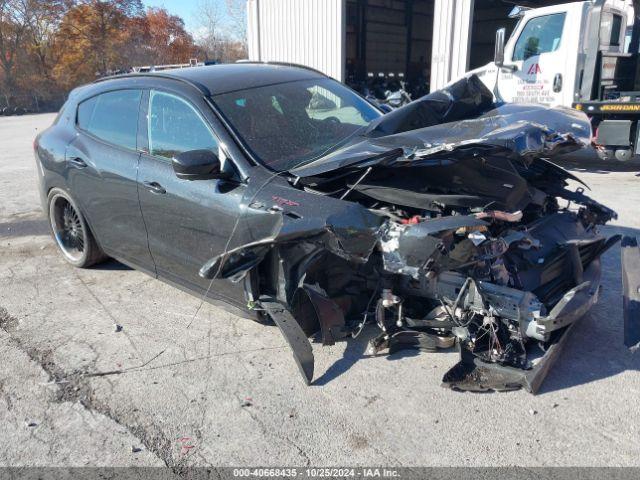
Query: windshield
{"type": "Point", "coordinates": [288, 124]}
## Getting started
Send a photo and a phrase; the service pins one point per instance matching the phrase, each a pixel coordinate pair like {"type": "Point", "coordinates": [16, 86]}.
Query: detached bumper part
{"type": "Point", "coordinates": [474, 375]}
{"type": "Point", "coordinates": [575, 303]}
{"type": "Point", "coordinates": [630, 258]}
{"type": "Point", "coordinates": [293, 334]}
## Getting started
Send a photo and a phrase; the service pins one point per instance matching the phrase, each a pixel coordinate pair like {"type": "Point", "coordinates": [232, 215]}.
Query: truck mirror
{"type": "Point", "coordinates": [518, 11]}
{"type": "Point", "coordinates": [498, 57]}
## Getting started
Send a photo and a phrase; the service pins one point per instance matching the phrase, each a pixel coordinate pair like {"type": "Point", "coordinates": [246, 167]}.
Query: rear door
{"type": "Point", "coordinates": [544, 51]}
{"type": "Point", "coordinates": [189, 221]}
{"type": "Point", "coordinates": [102, 166]}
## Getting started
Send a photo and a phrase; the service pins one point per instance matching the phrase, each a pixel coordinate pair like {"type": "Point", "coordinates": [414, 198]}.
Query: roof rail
{"type": "Point", "coordinates": [284, 64]}
{"type": "Point", "coordinates": [197, 85]}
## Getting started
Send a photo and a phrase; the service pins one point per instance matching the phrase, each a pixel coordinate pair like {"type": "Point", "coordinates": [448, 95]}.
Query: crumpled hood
{"type": "Point", "coordinates": [528, 131]}
{"type": "Point", "coordinates": [460, 116]}
{"type": "Point", "coordinates": [455, 147]}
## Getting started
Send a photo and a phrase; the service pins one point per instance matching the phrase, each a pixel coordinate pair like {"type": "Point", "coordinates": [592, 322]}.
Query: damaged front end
{"type": "Point", "coordinates": [444, 224]}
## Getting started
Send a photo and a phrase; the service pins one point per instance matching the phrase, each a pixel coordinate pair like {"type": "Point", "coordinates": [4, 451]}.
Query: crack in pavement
{"type": "Point", "coordinates": [7, 397]}
{"type": "Point", "coordinates": [75, 388]}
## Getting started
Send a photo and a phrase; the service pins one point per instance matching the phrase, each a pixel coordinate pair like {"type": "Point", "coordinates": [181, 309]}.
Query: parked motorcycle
{"type": "Point", "coordinates": [398, 98]}
{"type": "Point", "coordinates": [386, 91]}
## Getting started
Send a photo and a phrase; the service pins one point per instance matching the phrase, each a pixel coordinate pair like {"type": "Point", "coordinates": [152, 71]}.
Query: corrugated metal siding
{"type": "Point", "coordinates": [451, 35]}
{"type": "Point", "coordinates": [308, 32]}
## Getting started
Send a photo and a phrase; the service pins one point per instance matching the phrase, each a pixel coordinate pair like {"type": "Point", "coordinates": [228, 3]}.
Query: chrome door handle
{"type": "Point", "coordinates": [154, 187]}
{"type": "Point", "coordinates": [77, 162]}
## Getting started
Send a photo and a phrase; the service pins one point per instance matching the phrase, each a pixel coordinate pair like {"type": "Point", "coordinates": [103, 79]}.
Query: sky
{"type": "Point", "coordinates": [186, 9]}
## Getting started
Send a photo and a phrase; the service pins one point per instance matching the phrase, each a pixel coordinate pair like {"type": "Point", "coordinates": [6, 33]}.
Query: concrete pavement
{"type": "Point", "coordinates": [225, 391]}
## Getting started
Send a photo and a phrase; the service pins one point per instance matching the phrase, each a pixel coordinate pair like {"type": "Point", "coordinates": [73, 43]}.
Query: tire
{"type": "Point", "coordinates": [623, 154]}
{"type": "Point", "coordinates": [605, 154]}
{"type": "Point", "coordinates": [71, 232]}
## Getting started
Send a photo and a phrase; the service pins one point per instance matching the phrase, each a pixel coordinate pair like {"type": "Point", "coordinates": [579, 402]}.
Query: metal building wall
{"type": "Point", "coordinates": [307, 32]}
{"type": "Point", "coordinates": [452, 22]}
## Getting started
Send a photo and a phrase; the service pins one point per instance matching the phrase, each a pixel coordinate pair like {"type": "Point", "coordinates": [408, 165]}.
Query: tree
{"type": "Point", "coordinates": [13, 26]}
{"type": "Point", "coordinates": [222, 29]}
{"type": "Point", "coordinates": [237, 12]}
{"type": "Point", "coordinates": [92, 38]}
{"type": "Point", "coordinates": [167, 39]}
{"type": "Point", "coordinates": [210, 34]}
{"type": "Point", "coordinates": [43, 22]}
{"type": "Point", "coordinates": [48, 47]}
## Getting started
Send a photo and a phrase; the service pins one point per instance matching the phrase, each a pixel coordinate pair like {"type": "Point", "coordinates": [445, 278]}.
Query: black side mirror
{"type": "Point", "coordinates": [198, 165]}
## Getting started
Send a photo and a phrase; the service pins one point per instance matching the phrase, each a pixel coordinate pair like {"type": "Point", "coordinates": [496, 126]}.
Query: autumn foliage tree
{"type": "Point", "coordinates": [91, 37]}
{"type": "Point", "coordinates": [48, 47]}
{"type": "Point", "coordinates": [168, 41]}
{"type": "Point", "coordinates": [13, 29]}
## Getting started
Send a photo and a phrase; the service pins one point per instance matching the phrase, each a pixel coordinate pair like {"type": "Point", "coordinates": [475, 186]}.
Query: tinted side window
{"type": "Point", "coordinates": [176, 127]}
{"type": "Point", "coordinates": [112, 116]}
{"type": "Point", "coordinates": [539, 35]}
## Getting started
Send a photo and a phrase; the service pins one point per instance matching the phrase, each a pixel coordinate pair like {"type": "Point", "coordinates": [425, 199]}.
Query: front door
{"type": "Point", "coordinates": [543, 49]}
{"type": "Point", "coordinates": [188, 221]}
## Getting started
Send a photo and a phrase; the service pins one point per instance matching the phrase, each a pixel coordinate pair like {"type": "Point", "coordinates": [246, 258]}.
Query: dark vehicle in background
{"type": "Point", "coordinates": [289, 197]}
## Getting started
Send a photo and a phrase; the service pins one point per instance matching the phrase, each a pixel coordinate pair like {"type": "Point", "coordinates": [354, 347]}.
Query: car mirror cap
{"type": "Point", "coordinates": [198, 165]}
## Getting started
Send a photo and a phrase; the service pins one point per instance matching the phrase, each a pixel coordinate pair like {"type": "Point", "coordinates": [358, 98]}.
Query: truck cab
{"type": "Point", "coordinates": [582, 55]}
{"type": "Point", "coordinates": [545, 58]}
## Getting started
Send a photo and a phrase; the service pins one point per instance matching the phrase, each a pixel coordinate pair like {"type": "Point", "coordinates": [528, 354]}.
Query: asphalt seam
{"type": "Point", "coordinates": [75, 388]}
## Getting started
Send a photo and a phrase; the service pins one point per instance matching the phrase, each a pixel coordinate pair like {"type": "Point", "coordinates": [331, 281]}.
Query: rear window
{"type": "Point", "coordinates": [112, 117]}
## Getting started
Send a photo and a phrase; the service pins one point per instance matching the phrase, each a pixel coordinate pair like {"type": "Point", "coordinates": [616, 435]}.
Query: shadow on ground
{"type": "Point", "coordinates": [111, 265]}
{"type": "Point", "coordinates": [596, 349]}
{"type": "Point", "coordinates": [24, 228]}
{"type": "Point", "coordinates": [589, 162]}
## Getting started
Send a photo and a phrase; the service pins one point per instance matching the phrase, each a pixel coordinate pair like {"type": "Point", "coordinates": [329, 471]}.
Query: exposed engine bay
{"type": "Point", "coordinates": [445, 225]}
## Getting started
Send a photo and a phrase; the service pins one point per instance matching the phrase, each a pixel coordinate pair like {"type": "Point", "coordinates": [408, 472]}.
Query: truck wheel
{"type": "Point", "coordinates": [605, 153]}
{"type": "Point", "coordinates": [623, 154]}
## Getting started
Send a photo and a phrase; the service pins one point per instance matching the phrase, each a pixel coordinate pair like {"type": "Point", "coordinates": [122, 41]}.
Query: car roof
{"type": "Point", "coordinates": [225, 78]}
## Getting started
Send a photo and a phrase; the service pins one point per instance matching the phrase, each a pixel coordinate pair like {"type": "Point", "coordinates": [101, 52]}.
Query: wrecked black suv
{"type": "Point", "coordinates": [285, 194]}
